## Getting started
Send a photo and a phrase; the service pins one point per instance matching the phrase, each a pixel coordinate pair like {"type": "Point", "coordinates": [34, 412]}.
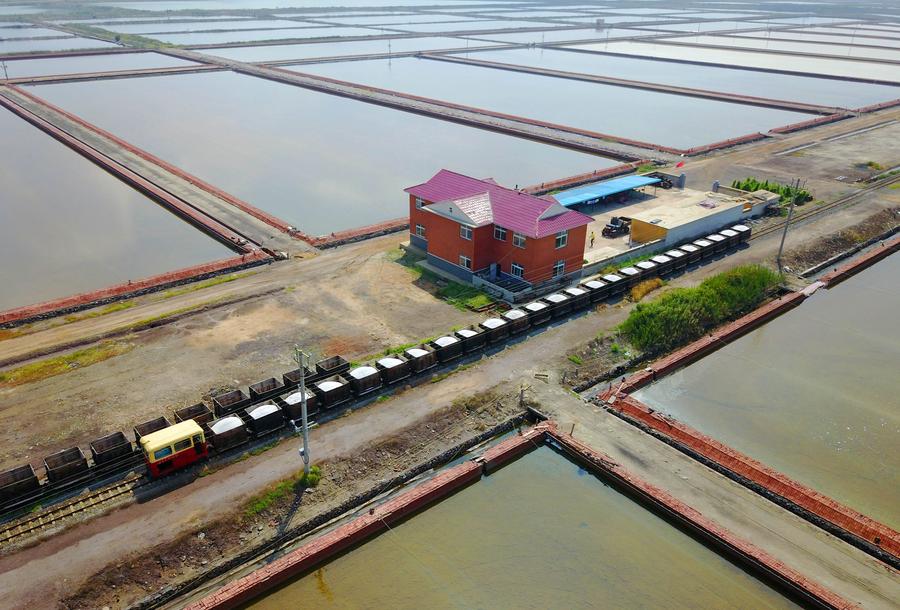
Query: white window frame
{"type": "Point", "coordinates": [518, 240]}
{"type": "Point", "coordinates": [465, 232]}
{"type": "Point", "coordinates": [420, 231]}
{"type": "Point", "coordinates": [559, 268]}
{"type": "Point", "coordinates": [419, 203]}
{"type": "Point", "coordinates": [517, 270]}
{"type": "Point", "coordinates": [564, 237]}
{"type": "Point", "coordinates": [500, 233]}
{"type": "Point", "coordinates": [465, 262]}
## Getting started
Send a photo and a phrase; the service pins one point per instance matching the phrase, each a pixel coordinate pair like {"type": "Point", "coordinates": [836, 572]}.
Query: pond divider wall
{"type": "Point", "coordinates": [78, 302]}
{"type": "Point", "coordinates": [379, 519]}
{"type": "Point", "coordinates": [720, 96]}
{"type": "Point", "coordinates": [868, 259]}
{"type": "Point", "coordinates": [238, 203]}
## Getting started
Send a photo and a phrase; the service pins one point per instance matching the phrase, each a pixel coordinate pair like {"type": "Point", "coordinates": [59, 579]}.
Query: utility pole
{"type": "Point", "coordinates": [794, 194]}
{"type": "Point", "coordinates": [302, 359]}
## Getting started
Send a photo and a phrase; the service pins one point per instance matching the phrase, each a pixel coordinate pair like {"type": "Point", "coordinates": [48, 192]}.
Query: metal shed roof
{"type": "Point", "coordinates": [602, 189]}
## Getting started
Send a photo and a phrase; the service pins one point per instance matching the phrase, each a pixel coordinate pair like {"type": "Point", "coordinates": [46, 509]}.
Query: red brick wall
{"type": "Point", "coordinates": [539, 255]}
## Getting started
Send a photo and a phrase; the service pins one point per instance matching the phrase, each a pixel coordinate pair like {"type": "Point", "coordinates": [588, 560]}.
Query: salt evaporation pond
{"type": "Point", "coordinates": [563, 101]}
{"type": "Point", "coordinates": [540, 533]}
{"type": "Point", "coordinates": [322, 163]}
{"type": "Point", "coordinates": [814, 393]}
{"type": "Point", "coordinates": [67, 226]}
{"type": "Point", "coordinates": [747, 82]}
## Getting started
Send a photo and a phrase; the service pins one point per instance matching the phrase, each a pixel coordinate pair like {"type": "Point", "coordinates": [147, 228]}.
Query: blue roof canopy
{"type": "Point", "coordinates": [602, 189]}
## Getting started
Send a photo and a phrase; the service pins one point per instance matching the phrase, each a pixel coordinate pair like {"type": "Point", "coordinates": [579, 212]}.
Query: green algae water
{"type": "Point", "coordinates": [814, 393]}
{"type": "Point", "coordinates": [540, 533]}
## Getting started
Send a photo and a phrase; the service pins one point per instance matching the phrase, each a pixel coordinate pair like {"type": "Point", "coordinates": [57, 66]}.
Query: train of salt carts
{"type": "Point", "coordinates": [271, 404]}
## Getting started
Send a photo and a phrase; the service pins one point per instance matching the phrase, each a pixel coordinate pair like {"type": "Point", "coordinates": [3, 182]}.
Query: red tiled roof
{"type": "Point", "coordinates": [534, 217]}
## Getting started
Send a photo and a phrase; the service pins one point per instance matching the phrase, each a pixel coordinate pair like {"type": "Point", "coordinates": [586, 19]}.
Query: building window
{"type": "Point", "coordinates": [559, 269]}
{"type": "Point", "coordinates": [500, 233]}
{"type": "Point", "coordinates": [518, 240]}
{"type": "Point", "coordinates": [465, 232]}
{"type": "Point", "coordinates": [516, 269]}
{"type": "Point", "coordinates": [419, 203]}
{"type": "Point", "coordinates": [420, 230]}
{"type": "Point", "coordinates": [465, 261]}
{"type": "Point", "coordinates": [562, 238]}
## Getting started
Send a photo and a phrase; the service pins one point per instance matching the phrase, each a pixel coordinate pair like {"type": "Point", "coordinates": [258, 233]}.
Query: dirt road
{"type": "Point", "coordinates": [352, 301]}
{"type": "Point", "coordinates": [58, 565]}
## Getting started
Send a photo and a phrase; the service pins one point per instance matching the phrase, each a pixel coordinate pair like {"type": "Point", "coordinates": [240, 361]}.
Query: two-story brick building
{"type": "Point", "coordinates": [469, 226]}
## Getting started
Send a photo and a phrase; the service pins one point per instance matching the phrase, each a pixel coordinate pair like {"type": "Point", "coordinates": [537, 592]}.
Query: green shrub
{"type": "Point", "coordinates": [576, 359]}
{"type": "Point", "coordinates": [786, 191]}
{"type": "Point", "coordinates": [684, 314]}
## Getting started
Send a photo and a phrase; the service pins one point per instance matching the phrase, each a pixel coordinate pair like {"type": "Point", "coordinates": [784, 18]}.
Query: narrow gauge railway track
{"type": "Point", "coordinates": [32, 524]}
{"type": "Point", "coordinates": [826, 207]}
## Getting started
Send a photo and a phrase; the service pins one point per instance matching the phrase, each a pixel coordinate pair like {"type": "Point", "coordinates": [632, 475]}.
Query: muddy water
{"type": "Point", "coordinates": [814, 393]}
{"type": "Point", "coordinates": [541, 533]}
{"type": "Point", "coordinates": [66, 226]}
{"type": "Point", "coordinates": [322, 163]}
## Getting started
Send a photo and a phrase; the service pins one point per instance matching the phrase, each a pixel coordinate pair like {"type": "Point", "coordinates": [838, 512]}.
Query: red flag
{"type": "Point", "coordinates": [680, 164]}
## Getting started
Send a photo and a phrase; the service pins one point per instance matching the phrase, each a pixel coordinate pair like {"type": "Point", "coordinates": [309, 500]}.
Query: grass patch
{"type": "Point", "coordinates": [111, 308]}
{"type": "Point", "coordinates": [131, 40]}
{"type": "Point", "coordinates": [9, 333]}
{"type": "Point", "coordinates": [645, 168]}
{"type": "Point", "coordinates": [213, 281]}
{"type": "Point", "coordinates": [263, 449]}
{"type": "Point", "coordinates": [895, 187]}
{"type": "Point", "coordinates": [874, 165]}
{"type": "Point", "coordinates": [644, 288]}
{"type": "Point", "coordinates": [684, 314]}
{"type": "Point", "coordinates": [631, 262]}
{"type": "Point", "coordinates": [461, 296]}
{"type": "Point", "coordinates": [262, 502]}
{"type": "Point", "coordinates": [443, 376]}
{"type": "Point", "coordinates": [576, 359]}
{"type": "Point", "coordinates": [50, 367]}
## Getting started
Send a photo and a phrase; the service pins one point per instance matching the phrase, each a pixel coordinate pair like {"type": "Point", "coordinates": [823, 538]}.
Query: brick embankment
{"type": "Point", "coordinates": [725, 541]}
{"type": "Point", "coordinates": [340, 238]}
{"type": "Point", "coordinates": [878, 253]}
{"type": "Point", "coordinates": [94, 298]}
{"type": "Point", "coordinates": [71, 78]}
{"type": "Point", "coordinates": [877, 107]}
{"type": "Point", "coordinates": [713, 341]}
{"type": "Point", "coordinates": [822, 120]}
{"type": "Point", "coordinates": [378, 519]}
{"type": "Point", "coordinates": [842, 517]}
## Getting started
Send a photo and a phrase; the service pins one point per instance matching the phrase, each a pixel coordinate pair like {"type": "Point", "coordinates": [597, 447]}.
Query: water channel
{"type": "Point", "coordinates": [814, 393]}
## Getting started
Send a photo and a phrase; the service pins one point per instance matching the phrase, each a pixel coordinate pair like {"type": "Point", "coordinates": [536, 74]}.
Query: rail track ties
{"type": "Point", "coordinates": [32, 524]}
